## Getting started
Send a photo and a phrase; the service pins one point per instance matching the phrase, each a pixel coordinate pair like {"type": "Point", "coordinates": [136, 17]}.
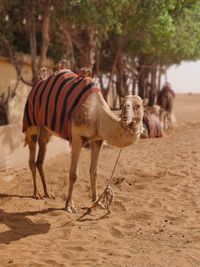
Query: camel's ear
{"type": "Point", "coordinates": [145, 102]}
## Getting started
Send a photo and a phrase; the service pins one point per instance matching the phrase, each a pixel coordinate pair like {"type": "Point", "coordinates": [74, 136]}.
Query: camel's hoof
{"type": "Point", "coordinates": [37, 196]}
{"type": "Point", "coordinates": [100, 205]}
{"type": "Point", "coordinates": [70, 208]}
{"type": "Point", "coordinates": [47, 195]}
{"type": "Point", "coordinates": [95, 199]}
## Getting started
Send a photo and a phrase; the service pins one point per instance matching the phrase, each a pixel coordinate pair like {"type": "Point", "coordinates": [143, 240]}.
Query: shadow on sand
{"type": "Point", "coordinates": [20, 226]}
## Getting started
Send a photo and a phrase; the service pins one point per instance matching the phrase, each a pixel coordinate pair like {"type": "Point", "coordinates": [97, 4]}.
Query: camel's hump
{"type": "Point", "coordinates": [53, 101]}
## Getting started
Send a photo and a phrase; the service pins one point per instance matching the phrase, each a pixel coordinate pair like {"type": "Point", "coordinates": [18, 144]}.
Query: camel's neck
{"type": "Point", "coordinates": [111, 130]}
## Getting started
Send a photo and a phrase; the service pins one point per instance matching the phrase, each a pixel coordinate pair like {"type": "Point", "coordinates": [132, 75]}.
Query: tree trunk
{"type": "Point", "coordinates": [159, 78]}
{"type": "Point", "coordinates": [153, 85]}
{"type": "Point", "coordinates": [134, 79]}
{"type": "Point", "coordinates": [32, 38]}
{"type": "Point", "coordinates": [87, 53]}
{"type": "Point", "coordinates": [110, 84]}
{"type": "Point", "coordinates": [45, 33]}
{"type": "Point", "coordinates": [143, 73]}
{"type": "Point", "coordinates": [121, 85]}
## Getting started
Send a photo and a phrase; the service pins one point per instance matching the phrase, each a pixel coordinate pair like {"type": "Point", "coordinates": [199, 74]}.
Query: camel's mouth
{"type": "Point", "coordinates": [132, 124]}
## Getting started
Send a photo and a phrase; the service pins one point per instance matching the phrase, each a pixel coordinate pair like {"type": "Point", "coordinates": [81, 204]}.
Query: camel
{"type": "Point", "coordinates": [152, 123]}
{"type": "Point", "coordinates": [92, 121]}
{"type": "Point", "coordinates": [166, 102]}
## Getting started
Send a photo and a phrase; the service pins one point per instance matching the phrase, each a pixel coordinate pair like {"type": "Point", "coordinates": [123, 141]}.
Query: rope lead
{"type": "Point", "coordinates": [107, 196]}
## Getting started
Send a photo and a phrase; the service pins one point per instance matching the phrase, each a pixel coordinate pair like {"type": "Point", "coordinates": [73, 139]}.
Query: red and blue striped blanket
{"type": "Point", "coordinates": [52, 102]}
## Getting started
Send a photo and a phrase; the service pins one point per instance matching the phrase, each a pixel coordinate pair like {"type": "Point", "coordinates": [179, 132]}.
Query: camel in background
{"type": "Point", "coordinates": [151, 122]}
{"type": "Point", "coordinates": [166, 101]}
{"type": "Point", "coordinates": [93, 121]}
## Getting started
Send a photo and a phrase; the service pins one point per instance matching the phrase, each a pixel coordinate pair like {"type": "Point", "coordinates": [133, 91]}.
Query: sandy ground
{"type": "Point", "coordinates": [155, 218]}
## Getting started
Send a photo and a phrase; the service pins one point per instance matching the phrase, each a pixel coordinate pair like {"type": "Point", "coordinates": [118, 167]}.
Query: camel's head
{"type": "Point", "coordinates": [132, 111]}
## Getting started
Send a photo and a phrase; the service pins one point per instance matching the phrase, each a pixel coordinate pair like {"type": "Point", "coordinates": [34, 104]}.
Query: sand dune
{"type": "Point", "coordinates": [155, 218]}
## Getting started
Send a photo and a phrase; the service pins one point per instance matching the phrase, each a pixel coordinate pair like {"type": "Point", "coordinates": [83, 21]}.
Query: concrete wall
{"type": "Point", "coordinates": [8, 79]}
{"type": "Point", "coordinates": [13, 154]}
{"type": "Point", "coordinates": [9, 75]}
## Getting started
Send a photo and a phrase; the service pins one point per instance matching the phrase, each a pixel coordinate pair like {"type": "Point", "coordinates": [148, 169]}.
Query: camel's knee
{"type": "Point", "coordinates": [73, 178]}
{"type": "Point", "coordinates": [34, 138]}
{"type": "Point", "coordinates": [39, 164]}
{"type": "Point", "coordinates": [171, 120]}
{"type": "Point", "coordinates": [93, 174]}
{"type": "Point", "coordinates": [32, 165]}
{"type": "Point", "coordinates": [41, 155]}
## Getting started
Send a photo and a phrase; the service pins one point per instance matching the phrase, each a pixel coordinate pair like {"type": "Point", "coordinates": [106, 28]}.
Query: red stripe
{"type": "Point", "coordinates": [52, 97]}
{"type": "Point", "coordinates": [66, 130]}
{"type": "Point", "coordinates": [30, 101]}
{"type": "Point", "coordinates": [76, 92]}
{"type": "Point", "coordinates": [39, 111]}
{"type": "Point", "coordinates": [41, 116]}
{"type": "Point", "coordinates": [60, 103]}
{"type": "Point", "coordinates": [37, 106]}
{"type": "Point", "coordinates": [59, 127]}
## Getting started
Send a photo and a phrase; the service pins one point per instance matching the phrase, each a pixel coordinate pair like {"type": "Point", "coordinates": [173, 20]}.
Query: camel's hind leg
{"type": "Point", "coordinates": [169, 119]}
{"type": "Point", "coordinates": [95, 152]}
{"type": "Point", "coordinates": [31, 138]}
{"type": "Point", "coordinates": [43, 140]}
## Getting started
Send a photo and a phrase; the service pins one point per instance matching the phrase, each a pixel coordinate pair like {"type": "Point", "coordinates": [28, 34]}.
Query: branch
{"type": "Point", "coordinates": [16, 63]}
{"type": "Point", "coordinates": [45, 33]}
{"type": "Point", "coordinates": [69, 37]}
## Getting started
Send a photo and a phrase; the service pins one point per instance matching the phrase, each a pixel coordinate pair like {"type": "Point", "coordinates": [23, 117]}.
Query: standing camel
{"type": "Point", "coordinates": [72, 107]}
{"type": "Point", "coordinates": [166, 102]}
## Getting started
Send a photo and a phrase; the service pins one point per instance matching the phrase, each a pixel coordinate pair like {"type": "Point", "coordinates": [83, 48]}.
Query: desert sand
{"type": "Point", "coordinates": [155, 216]}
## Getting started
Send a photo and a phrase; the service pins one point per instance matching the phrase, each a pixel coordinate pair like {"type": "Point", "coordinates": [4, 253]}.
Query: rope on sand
{"type": "Point", "coordinates": [106, 198]}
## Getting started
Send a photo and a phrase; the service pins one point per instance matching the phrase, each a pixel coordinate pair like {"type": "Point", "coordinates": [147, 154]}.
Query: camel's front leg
{"type": "Point", "coordinates": [95, 152]}
{"type": "Point", "coordinates": [73, 175]}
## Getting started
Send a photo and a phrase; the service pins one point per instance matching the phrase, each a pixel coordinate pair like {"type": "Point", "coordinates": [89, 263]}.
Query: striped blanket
{"type": "Point", "coordinates": [53, 101]}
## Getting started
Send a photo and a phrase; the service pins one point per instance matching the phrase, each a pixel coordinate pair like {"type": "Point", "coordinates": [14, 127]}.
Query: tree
{"type": "Point", "coordinates": [131, 42]}
{"type": "Point", "coordinates": [23, 23]}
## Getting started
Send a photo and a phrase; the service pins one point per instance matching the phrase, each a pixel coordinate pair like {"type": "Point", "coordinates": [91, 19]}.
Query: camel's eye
{"type": "Point", "coordinates": [137, 106]}
{"type": "Point", "coordinates": [127, 106]}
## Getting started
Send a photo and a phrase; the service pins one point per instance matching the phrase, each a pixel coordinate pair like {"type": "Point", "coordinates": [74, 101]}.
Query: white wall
{"type": "Point", "coordinates": [13, 154]}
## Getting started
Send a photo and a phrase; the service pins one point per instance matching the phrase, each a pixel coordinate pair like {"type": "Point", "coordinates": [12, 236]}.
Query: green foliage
{"type": "Point", "coordinates": [166, 31]}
